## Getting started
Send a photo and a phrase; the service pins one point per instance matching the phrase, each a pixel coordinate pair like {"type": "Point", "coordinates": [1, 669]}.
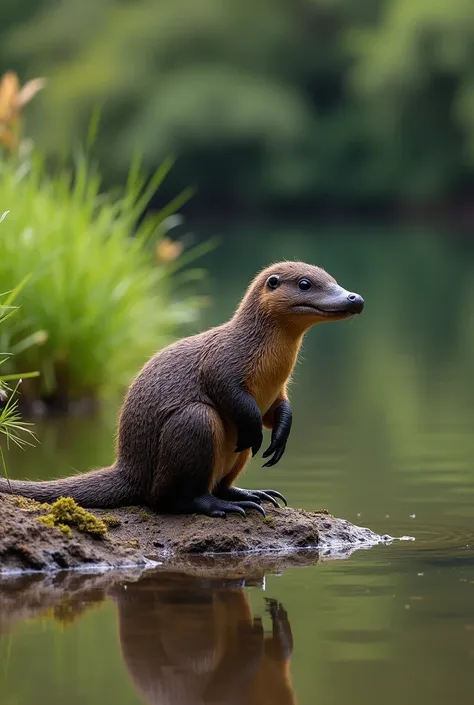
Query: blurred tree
{"type": "Point", "coordinates": [415, 73]}
{"type": "Point", "coordinates": [304, 100]}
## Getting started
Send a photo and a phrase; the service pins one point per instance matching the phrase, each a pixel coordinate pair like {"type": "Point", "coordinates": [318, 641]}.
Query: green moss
{"type": "Point", "coordinates": [47, 520]}
{"type": "Point", "coordinates": [66, 513]}
{"type": "Point", "coordinates": [65, 529]}
{"type": "Point", "coordinates": [111, 521]}
{"type": "Point", "coordinates": [31, 505]}
{"type": "Point", "coordinates": [269, 520]}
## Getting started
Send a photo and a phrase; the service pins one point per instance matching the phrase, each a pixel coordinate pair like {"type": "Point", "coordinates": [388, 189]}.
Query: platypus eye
{"type": "Point", "coordinates": [273, 281]}
{"type": "Point", "coordinates": [304, 284]}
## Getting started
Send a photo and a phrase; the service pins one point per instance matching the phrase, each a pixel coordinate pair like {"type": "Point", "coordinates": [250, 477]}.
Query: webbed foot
{"type": "Point", "coordinates": [235, 494]}
{"type": "Point", "coordinates": [216, 507]}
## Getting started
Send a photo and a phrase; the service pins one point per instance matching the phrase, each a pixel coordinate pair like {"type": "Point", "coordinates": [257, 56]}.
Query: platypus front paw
{"type": "Point", "coordinates": [276, 451]}
{"type": "Point", "coordinates": [235, 494]}
{"type": "Point", "coordinates": [250, 437]}
{"type": "Point", "coordinates": [215, 507]}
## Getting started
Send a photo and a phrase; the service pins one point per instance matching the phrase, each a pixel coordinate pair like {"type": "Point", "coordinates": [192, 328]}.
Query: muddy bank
{"type": "Point", "coordinates": [282, 530]}
{"type": "Point", "coordinates": [50, 538]}
{"type": "Point", "coordinates": [27, 544]}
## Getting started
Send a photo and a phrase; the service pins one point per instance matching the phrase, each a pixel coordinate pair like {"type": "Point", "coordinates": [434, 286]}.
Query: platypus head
{"type": "Point", "coordinates": [303, 294]}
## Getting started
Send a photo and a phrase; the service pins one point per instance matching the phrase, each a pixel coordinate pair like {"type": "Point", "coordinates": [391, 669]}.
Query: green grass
{"type": "Point", "coordinates": [98, 302]}
{"type": "Point", "coordinates": [12, 428]}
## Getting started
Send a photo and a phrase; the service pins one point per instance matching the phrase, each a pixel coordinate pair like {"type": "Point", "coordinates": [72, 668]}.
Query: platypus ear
{"type": "Point", "coordinates": [273, 281]}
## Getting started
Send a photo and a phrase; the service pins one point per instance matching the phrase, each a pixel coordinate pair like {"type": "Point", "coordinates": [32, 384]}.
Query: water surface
{"type": "Point", "coordinates": [382, 436]}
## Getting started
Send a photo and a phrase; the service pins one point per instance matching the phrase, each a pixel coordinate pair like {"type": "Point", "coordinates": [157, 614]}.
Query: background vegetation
{"type": "Point", "coordinates": [278, 102]}
{"type": "Point", "coordinates": [271, 107]}
{"type": "Point", "coordinates": [98, 301]}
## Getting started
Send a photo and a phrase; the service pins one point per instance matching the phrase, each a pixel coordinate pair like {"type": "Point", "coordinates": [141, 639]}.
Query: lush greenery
{"type": "Point", "coordinates": [311, 99]}
{"type": "Point", "coordinates": [98, 301]}
{"type": "Point", "coordinates": [12, 428]}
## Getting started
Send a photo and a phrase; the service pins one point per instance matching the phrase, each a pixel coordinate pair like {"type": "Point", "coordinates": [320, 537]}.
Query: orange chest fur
{"type": "Point", "coordinates": [269, 371]}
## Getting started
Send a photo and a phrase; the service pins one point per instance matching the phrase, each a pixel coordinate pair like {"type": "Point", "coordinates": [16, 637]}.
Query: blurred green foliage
{"type": "Point", "coordinates": [12, 428]}
{"type": "Point", "coordinates": [263, 102]}
{"type": "Point", "coordinates": [98, 301]}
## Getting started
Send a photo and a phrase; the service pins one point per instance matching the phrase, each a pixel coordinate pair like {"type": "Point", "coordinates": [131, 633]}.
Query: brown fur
{"type": "Point", "coordinates": [189, 641]}
{"type": "Point", "coordinates": [194, 401]}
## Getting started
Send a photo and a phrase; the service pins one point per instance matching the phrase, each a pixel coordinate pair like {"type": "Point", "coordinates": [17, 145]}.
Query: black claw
{"type": "Point", "coordinates": [249, 498]}
{"type": "Point", "coordinates": [270, 450]}
{"type": "Point", "coordinates": [276, 457]}
{"type": "Point", "coordinates": [280, 432]}
{"type": "Point", "coordinates": [212, 506]}
{"type": "Point", "coordinates": [275, 493]}
{"type": "Point", "coordinates": [252, 497]}
{"type": "Point", "coordinates": [235, 494]}
{"type": "Point", "coordinates": [268, 498]}
{"type": "Point", "coordinates": [253, 505]}
{"type": "Point", "coordinates": [236, 508]}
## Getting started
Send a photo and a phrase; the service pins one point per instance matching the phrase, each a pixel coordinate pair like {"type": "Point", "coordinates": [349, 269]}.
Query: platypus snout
{"type": "Point", "coordinates": [355, 303]}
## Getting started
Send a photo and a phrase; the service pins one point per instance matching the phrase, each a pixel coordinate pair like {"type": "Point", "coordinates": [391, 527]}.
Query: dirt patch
{"type": "Point", "coordinates": [283, 530]}
{"type": "Point", "coordinates": [27, 542]}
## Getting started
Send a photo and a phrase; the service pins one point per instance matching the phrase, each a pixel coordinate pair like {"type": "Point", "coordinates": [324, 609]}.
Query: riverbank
{"type": "Point", "coordinates": [36, 537]}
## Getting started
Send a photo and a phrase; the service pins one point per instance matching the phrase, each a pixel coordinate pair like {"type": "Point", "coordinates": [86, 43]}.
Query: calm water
{"type": "Point", "coordinates": [383, 435]}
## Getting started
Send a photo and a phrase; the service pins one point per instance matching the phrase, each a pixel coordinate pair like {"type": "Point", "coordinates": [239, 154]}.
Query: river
{"type": "Point", "coordinates": [382, 435]}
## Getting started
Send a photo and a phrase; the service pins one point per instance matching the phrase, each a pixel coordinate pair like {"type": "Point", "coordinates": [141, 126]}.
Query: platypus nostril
{"type": "Point", "coordinates": [356, 303]}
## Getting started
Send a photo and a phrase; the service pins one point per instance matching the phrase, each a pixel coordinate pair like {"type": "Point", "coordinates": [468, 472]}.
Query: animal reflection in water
{"type": "Point", "coordinates": [186, 641]}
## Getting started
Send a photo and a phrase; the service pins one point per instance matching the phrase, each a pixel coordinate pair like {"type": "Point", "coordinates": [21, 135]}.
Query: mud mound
{"type": "Point", "coordinates": [282, 530]}
{"type": "Point", "coordinates": [30, 540]}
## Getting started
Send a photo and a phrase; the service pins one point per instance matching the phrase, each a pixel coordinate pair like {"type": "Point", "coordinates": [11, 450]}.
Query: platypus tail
{"type": "Point", "coordinates": [104, 488]}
